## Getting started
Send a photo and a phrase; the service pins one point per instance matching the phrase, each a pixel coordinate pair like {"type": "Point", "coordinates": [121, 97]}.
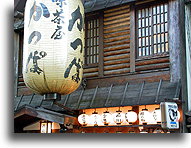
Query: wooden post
{"type": "Point", "coordinates": [101, 62]}
{"type": "Point", "coordinates": [177, 48]}
{"type": "Point", "coordinates": [16, 61]}
{"type": "Point", "coordinates": [132, 40]}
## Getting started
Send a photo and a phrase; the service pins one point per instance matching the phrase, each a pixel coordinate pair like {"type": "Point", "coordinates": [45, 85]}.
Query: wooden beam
{"type": "Point", "coordinates": [16, 61]}
{"type": "Point", "coordinates": [101, 61]}
{"type": "Point", "coordinates": [132, 35]}
{"type": "Point", "coordinates": [177, 50]}
{"type": "Point", "coordinates": [42, 114]}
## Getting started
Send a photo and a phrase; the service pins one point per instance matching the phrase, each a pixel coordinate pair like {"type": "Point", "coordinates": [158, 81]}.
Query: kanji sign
{"type": "Point", "coordinates": [169, 115]}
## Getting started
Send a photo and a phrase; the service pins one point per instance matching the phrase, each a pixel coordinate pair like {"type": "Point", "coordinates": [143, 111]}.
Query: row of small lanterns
{"type": "Point", "coordinates": [131, 117]}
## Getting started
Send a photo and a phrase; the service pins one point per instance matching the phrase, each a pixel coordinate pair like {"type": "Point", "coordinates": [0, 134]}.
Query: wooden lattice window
{"type": "Point", "coordinates": [152, 30]}
{"type": "Point", "coordinates": [92, 41]}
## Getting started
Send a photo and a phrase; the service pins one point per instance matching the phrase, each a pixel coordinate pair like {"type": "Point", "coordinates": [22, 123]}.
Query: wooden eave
{"type": "Point", "coordinates": [129, 94]}
{"type": "Point", "coordinates": [39, 113]}
{"type": "Point", "coordinates": [89, 5]}
{"type": "Point", "coordinates": [94, 5]}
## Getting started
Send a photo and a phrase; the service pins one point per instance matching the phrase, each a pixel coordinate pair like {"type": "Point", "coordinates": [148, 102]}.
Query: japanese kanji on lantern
{"type": "Point", "coordinates": [53, 45]}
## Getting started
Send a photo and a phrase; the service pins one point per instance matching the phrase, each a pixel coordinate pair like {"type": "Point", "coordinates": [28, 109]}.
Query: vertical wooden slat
{"type": "Point", "coordinates": [94, 96]}
{"type": "Point", "coordinates": [108, 96]}
{"type": "Point", "coordinates": [66, 100]}
{"type": "Point", "coordinates": [31, 99]}
{"type": "Point", "coordinates": [158, 91]}
{"type": "Point", "coordinates": [86, 42]}
{"type": "Point", "coordinates": [124, 93]}
{"type": "Point", "coordinates": [80, 98]}
{"type": "Point", "coordinates": [101, 62]}
{"type": "Point", "coordinates": [141, 92]}
{"type": "Point", "coordinates": [132, 35]}
{"type": "Point", "coordinates": [19, 102]}
{"type": "Point", "coordinates": [152, 32]}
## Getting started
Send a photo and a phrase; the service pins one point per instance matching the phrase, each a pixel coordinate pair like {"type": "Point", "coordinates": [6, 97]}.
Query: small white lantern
{"type": "Point", "coordinates": [144, 116]}
{"type": "Point", "coordinates": [95, 119]}
{"type": "Point", "coordinates": [157, 115]}
{"type": "Point", "coordinates": [143, 132]}
{"type": "Point", "coordinates": [45, 127]}
{"type": "Point", "coordinates": [131, 116]}
{"type": "Point", "coordinates": [118, 117]}
{"type": "Point", "coordinates": [83, 119]}
{"type": "Point", "coordinates": [106, 118]}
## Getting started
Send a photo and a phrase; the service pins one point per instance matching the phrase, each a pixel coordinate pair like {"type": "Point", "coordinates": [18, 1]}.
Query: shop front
{"type": "Point", "coordinates": [129, 108]}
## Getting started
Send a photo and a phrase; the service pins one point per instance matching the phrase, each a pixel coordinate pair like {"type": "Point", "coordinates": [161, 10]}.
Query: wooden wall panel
{"type": "Point", "coordinates": [152, 64]}
{"type": "Point", "coordinates": [117, 40]}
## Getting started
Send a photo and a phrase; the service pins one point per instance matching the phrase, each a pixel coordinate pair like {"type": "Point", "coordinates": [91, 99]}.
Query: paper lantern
{"type": "Point", "coordinates": [118, 117]}
{"type": "Point", "coordinates": [131, 116]}
{"type": "Point", "coordinates": [144, 116]}
{"type": "Point", "coordinates": [157, 115]}
{"type": "Point", "coordinates": [53, 45]}
{"type": "Point", "coordinates": [106, 118]}
{"type": "Point", "coordinates": [95, 119]}
{"type": "Point", "coordinates": [83, 119]}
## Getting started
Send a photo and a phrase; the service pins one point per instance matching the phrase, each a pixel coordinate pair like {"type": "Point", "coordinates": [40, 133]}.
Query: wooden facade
{"type": "Point", "coordinates": [132, 42]}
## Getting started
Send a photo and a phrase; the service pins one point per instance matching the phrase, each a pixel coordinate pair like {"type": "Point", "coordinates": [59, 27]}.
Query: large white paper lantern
{"type": "Point", "coordinates": [106, 118]}
{"type": "Point", "coordinates": [118, 117]}
{"type": "Point", "coordinates": [131, 116]}
{"type": "Point", "coordinates": [83, 119]}
{"type": "Point", "coordinates": [53, 45]}
{"type": "Point", "coordinates": [144, 116]}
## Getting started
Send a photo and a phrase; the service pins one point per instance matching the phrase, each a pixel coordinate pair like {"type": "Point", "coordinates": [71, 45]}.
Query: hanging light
{"type": "Point", "coordinates": [83, 119]}
{"type": "Point", "coordinates": [131, 116]}
{"type": "Point", "coordinates": [157, 115]}
{"type": "Point", "coordinates": [45, 127]}
{"type": "Point", "coordinates": [95, 118]}
{"type": "Point", "coordinates": [118, 117]}
{"type": "Point", "coordinates": [144, 116]}
{"type": "Point", "coordinates": [106, 118]}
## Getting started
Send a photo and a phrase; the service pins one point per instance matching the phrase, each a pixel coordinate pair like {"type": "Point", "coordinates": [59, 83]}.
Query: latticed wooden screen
{"type": "Point", "coordinates": [152, 30]}
{"type": "Point", "coordinates": [92, 41]}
